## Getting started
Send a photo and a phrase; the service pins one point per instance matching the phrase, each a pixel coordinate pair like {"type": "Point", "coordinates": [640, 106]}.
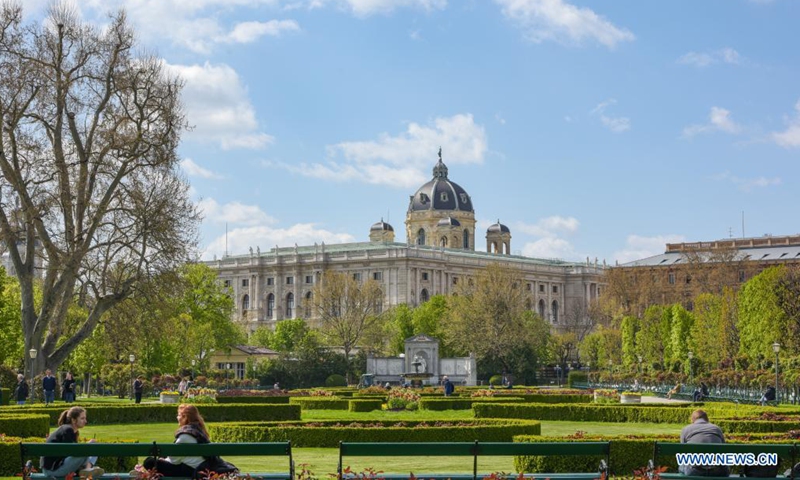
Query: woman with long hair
{"type": "Point", "coordinates": [191, 429]}
{"type": "Point", "coordinates": [69, 423]}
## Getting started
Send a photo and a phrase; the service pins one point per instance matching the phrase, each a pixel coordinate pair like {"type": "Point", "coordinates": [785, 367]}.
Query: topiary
{"type": "Point", "coordinates": [335, 380]}
{"type": "Point", "coordinates": [496, 380]}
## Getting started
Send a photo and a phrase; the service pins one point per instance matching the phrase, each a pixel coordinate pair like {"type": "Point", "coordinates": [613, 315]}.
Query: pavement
{"type": "Point", "coordinates": [648, 399]}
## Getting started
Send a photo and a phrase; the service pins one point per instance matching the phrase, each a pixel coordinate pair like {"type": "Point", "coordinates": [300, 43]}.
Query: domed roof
{"type": "Point", "coordinates": [381, 226]}
{"type": "Point", "coordinates": [498, 228]}
{"type": "Point", "coordinates": [440, 193]}
{"type": "Point", "coordinates": [448, 222]}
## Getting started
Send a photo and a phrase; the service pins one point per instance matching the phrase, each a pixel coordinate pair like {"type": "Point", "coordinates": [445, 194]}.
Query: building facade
{"type": "Point", "coordinates": [440, 224]}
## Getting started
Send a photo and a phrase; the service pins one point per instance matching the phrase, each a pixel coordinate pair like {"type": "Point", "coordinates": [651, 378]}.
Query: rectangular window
{"type": "Point", "coordinates": [424, 276]}
{"type": "Point", "coordinates": [377, 276]}
{"type": "Point", "coordinates": [289, 280]}
{"type": "Point", "coordinates": [270, 281]}
{"type": "Point", "coordinates": [541, 288]}
{"type": "Point", "coordinates": [309, 279]}
{"type": "Point", "coordinates": [555, 288]}
{"type": "Point", "coordinates": [245, 282]}
{"type": "Point", "coordinates": [357, 276]}
{"type": "Point", "coordinates": [227, 283]}
{"type": "Point", "coordinates": [455, 280]}
{"type": "Point", "coordinates": [530, 287]}
{"type": "Point", "coordinates": [671, 278]}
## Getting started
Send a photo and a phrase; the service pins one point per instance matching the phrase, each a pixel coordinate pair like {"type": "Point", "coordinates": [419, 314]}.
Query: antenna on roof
{"type": "Point", "coordinates": [730, 232]}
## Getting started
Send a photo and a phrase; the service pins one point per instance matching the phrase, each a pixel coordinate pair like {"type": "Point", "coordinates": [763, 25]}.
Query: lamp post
{"type": "Point", "coordinates": [690, 354]}
{"type": "Point", "coordinates": [132, 359]}
{"type": "Point", "coordinates": [32, 353]}
{"type": "Point", "coordinates": [227, 367]}
{"type": "Point", "coordinates": [776, 347]}
{"type": "Point", "coordinates": [194, 362]}
{"type": "Point", "coordinates": [558, 374]}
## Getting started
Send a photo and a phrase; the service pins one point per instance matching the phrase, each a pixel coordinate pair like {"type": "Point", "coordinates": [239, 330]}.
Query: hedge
{"type": "Point", "coordinates": [5, 396]}
{"type": "Point", "coordinates": [364, 405]}
{"type": "Point", "coordinates": [628, 453]}
{"type": "Point", "coordinates": [272, 399]}
{"type": "Point", "coordinates": [320, 403]}
{"type": "Point", "coordinates": [757, 426]}
{"type": "Point", "coordinates": [329, 433]}
{"type": "Point", "coordinates": [10, 461]}
{"type": "Point", "coordinates": [602, 413]}
{"type": "Point", "coordinates": [577, 376]}
{"type": "Point", "coordinates": [116, 414]}
{"type": "Point", "coordinates": [24, 425]}
{"type": "Point", "coordinates": [439, 404]}
{"type": "Point", "coordinates": [543, 398]}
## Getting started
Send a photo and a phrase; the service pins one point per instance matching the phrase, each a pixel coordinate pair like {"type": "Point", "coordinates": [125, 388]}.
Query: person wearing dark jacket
{"type": "Point", "coordinates": [21, 390]}
{"type": "Point", "coordinates": [69, 422]}
{"type": "Point", "coordinates": [769, 396]}
{"type": "Point", "coordinates": [68, 388]}
{"type": "Point", "coordinates": [449, 388]}
{"type": "Point", "coordinates": [49, 387]}
{"type": "Point", "coordinates": [191, 429]}
{"type": "Point", "coordinates": [138, 387]}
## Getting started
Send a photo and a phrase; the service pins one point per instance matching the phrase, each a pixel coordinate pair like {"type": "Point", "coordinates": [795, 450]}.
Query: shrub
{"type": "Point", "coordinates": [320, 403]}
{"type": "Point", "coordinates": [602, 395]}
{"type": "Point", "coordinates": [364, 405]}
{"type": "Point", "coordinates": [275, 400]}
{"type": "Point", "coordinates": [577, 376]}
{"type": "Point", "coordinates": [335, 380]}
{"type": "Point", "coordinates": [401, 398]}
{"type": "Point", "coordinates": [5, 396]}
{"type": "Point", "coordinates": [24, 424]}
{"type": "Point", "coordinates": [496, 380]}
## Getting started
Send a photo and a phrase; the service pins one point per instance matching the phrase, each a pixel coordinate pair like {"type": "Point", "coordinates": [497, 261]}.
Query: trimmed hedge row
{"type": "Point", "coordinates": [364, 405]}
{"type": "Point", "coordinates": [464, 403]}
{"type": "Point", "coordinates": [601, 413]}
{"type": "Point", "coordinates": [628, 453]}
{"type": "Point", "coordinates": [330, 433]}
{"type": "Point", "coordinates": [24, 424]}
{"type": "Point", "coordinates": [10, 461]}
{"type": "Point", "coordinates": [240, 400]}
{"type": "Point", "coordinates": [756, 426]}
{"type": "Point", "coordinates": [319, 403]}
{"type": "Point", "coordinates": [116, 414]}
{"type": "Point", "coordinates": [5, 396]}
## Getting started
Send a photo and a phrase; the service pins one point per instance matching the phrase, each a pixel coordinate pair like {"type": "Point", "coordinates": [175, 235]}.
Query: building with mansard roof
{"type": "Point", "coordinates": [278, 284]}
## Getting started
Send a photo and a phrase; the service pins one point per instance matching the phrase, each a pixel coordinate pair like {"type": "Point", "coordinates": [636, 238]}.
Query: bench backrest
{"type": "Point", "coordinates": [549, 448]}
{"type": "Point", "coordinates": [671, 448]}
{"type": "Point", "coordinates": [223, 449]}
{"type": "Point", "coordinates": [86, 449]}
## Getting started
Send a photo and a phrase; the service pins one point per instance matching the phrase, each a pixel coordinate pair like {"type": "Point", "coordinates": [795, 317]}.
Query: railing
{"type": "Point", "coordinates": [715, 393]}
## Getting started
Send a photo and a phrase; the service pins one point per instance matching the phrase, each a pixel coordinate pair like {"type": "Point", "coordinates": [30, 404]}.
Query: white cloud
{"type": "Point", "coordinates": [550, 247]}
{"type": "Point", "coordinates": [615, 124]}
{"type": "Point", "coordinates": [562, 22]}
{"type": "Point", "coordinates": [550, 226]}
{"type": "Point", "coordinates": [551, 244]}
{"type": "Point", "coordinates": [748, 184]}
{"type": "Point", "coordinates": [233, 213]}
{"type": "Point", "coordinates": [704, 59]}
{"type": "Point", "coordinates": [791, 136]}
{"type": "Point", "coordinates": [365, 8]}
{"type": "Point", "coordinates": [247, 32]}
{"type": "Point", "coordinates": [404, 160]}
{"type": "Point", "coordinates": [719, 121]}
{"type": "Point", "coordinates": [240, 240]}
{"type": "Point", "coordinates": [194, 170]}
{"type": "Point", "coordinates": [638, 247]}
{"type": "Point", "coordinates": [218, 107]}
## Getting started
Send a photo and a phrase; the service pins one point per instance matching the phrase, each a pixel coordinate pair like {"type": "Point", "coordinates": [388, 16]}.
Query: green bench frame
{"type": "Point", "coordinates": [269, 449]}
{"type": "Point", "coordinates": [476, 449]}
{"type": "Point", "coordinates": [671, 448]}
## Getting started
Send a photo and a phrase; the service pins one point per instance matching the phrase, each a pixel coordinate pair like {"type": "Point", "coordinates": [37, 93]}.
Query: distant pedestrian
{"type": "Point", "coordinates": [21, 390]}
{"type": "Point", "coordinates": [277, 386]}
{"type": "Point", "coordinates": [49, 387]}
{"type": "Point", "coordinates": [449, 388]}
{"type": "Point", "coordinates": [68, 388]}
{"type": "Point", "coordinates": [138, 386]}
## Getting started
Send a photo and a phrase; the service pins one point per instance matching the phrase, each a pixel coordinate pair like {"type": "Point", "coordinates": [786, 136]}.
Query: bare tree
{"type": "Point", "coordinates": [91, 201]}
{"type": "Point", "coordinates": [346, 309]}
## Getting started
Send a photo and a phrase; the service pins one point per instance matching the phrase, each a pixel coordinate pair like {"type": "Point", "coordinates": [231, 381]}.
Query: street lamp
{"type": "Point", "coordinates": [690, 354]}
{"type": "Point", "coordinates": [194, 362]}
{"type": "Point", "coordinates": [132, 358]}
{"type": "Point", "coordinates": [32, 353]}
{"type": "Point", "coordinates": [776, 347]}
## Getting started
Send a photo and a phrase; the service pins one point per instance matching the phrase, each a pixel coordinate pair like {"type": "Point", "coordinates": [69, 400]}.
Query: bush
{"type": "Point", "coordinates": [496, 380]}
{"type": "Point", "coordinates": [602, 395]}
{"type": "Point", "coordinates": [364, 405]}
{"type": "Point", "coordinates": [439, 404]}
{"type": "Point", "coordinates": [5, 396]}
{"type": "Point", "coordinates": [24, 425]}
{"type": "Point", "coordinates": [330, 433]}
{"type": "Point", "coordinates": [335, 380]}
{"type": "Point", "coordinates": [320, 403]}
{"type": "Point", "coordinates": [275, 400]}
{"type": "Point", "coordinates": [577, 376]}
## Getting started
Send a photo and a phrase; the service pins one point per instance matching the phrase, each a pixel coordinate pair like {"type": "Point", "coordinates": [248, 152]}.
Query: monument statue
{"type": "Point", "coordinates": [421, 361]}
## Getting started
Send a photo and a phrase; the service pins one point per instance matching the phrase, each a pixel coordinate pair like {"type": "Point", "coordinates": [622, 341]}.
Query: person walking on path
{"type": "Point", "coordinates": [49, 387]}
{"type": "Point", "coordinates": [69, 423]}
{"type": "Point", "coordinates": [21, 390]}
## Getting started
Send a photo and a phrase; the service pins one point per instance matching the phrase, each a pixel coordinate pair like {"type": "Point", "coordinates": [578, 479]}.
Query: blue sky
{"type": "Point", "coordinates": [590, 128]}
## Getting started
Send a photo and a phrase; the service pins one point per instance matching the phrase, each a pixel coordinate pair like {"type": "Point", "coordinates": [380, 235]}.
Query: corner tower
{"type": "Point", "coordinates": [440, 214]}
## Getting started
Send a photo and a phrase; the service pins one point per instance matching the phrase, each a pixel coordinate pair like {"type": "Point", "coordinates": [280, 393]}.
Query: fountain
{"type": "Point", "coordinates": [416, 377]}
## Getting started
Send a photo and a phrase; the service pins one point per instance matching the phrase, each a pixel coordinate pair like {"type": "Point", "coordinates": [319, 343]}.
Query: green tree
{"type": "Point", "coordinates": [628, 329]}
{"type": "Point", "coordinates": [650, 339]}
{"type": "Point", "coordinates": [399, 326]}
{"type": "Point", "coordinates": [713, 335]}
{"type": "Point", "coordinates": [428, 318]}
{"type": "Point", "coordinates": [11, 343]}
{"type": "Point", "coordinates": [90, 171]}
{"type": "Point", "coordinates": [761, 319]}
{"type": "Point", "coordinates": [679, 336]}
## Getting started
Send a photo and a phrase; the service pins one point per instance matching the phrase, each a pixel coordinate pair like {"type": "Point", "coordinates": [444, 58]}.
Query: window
{"type": "Point", "coordinates": [270, 281]}
{"type": "Point", "coordinates": [270, 305]}
{"type": "Point", "coordinates": [377, 276]}
{"type": "Point", "coordinates": [309, 301]}
{"type": "Point", "coordinates": [466, 239]}
{"type": "Point", "coordinates": [443, 196]}
{"type": "Point", "coordinates": [240, 370]}
{"type": "Point", "coordinates": [421, 237]}
{"type": "Point", "coordinates": [464, 198]}
{"type": "Point", "coordinates": [555, 311]}
{"type": "Point", "coordinates": [245, 282]}
{"type": "Point", "coordinates": [671, 278]}
{"type": "Point", "coordinates": [530, 287]}
{"type": "Point", "coordinates": [688, 279]}
{"type": "Point", "coordinates": [357, 276]}
{"type": "Point", "coordinates": [423, 296]}
{"type": "Point", "coordinates": [455, 280]}
{"type": "Point", "coordinates": [289, 280]}
{"type": "Point", "coordinates": [541, 308]}
{"type": "Point", "coordinates": [227, 283]}
{"type": "Point", "coordinates": [742, 276]}
{"type": "Point", "coordinates": [309, 279]}
{"type": "Point", "coordinates": [555, 288]}
{"type": "Point", "coordinates": [245, 303]}
{"type": "Point", "coordinates": [424, 276]}
{"type": "Point", "coordinates": [443, 242]}
{"type": "Point", "coordinates": [290, 305]}
{"type": "Point", "coordinates": [541, 288]}
{"type": "Point", "coordinates": [423, 199]}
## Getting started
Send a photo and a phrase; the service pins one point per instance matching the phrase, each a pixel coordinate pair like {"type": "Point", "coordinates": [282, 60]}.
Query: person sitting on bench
{"type": "Point", "coordinates": [702, 431]}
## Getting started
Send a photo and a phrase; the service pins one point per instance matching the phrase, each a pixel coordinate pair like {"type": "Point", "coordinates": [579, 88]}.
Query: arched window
{"type": "Point", "coordinates": [245, 303]}
{"type": "Point", "coordinates": [307, 304]}
{"type": "Point", "coordinates": [290, 305]}
{"type": "Point", "coordinates": [541, 308]}
{"type": "Point", "coordinates": [555, 311]}
{"type": "Point", "coordinates": [377, 308]}
{"type": "Point", "coordinates": [270, 305]}
{"type": "Point", "coordinates": [423, 296]}
{"type": "Point", "coordinates": [443, 242]}
{"type": "Point", "coordinates": [421, 237]}
{"type": "Point", "coordinates": [466, 239]}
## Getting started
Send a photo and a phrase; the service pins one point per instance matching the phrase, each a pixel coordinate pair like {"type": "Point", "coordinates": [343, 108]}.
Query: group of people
{"type": "Point", "coordinates": [22, 390]}
{"type": "Point", "coordinates": [191, 429]}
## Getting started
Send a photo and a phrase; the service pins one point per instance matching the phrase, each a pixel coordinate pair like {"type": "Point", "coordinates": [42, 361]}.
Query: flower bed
{"type": "Point", "coordinates": [169, 397]}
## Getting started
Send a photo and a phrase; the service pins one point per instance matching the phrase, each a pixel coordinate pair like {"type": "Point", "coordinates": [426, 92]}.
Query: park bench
{"type": "Point", "coordinates": [671, 449]}
{"type": "Point", "coordinates": [162, 450]}
{"type": "Point", "coordinates": [475, 449]}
